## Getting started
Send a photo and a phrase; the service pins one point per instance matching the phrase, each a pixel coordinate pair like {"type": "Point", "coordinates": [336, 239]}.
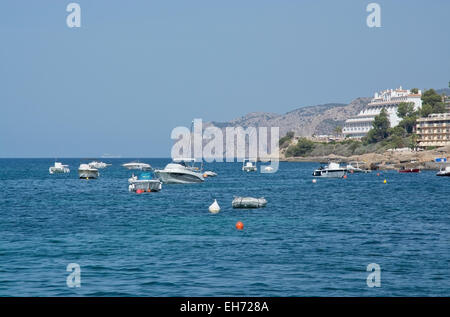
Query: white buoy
{"type": "Point", "coordinates": [214, 208]}
{"type": "Point", "coordinates": [314, 180]}
{"type": "Point", "coordinates": [268, 168]}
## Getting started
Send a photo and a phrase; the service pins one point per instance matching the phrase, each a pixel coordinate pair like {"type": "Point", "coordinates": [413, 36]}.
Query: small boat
{"type": "Point", "coordinates": [59, 168]}
{"type": "Point", "coordinates": [332, 170]}
{"type": "Point", "coordinates": [137, 166]}
{"type": "Point", "coordinates": [209, 174]}
{"type": "Point", "coordinates": [98, 165]}
{"type": "Point", "coordinates": [353, 167]}
{"type": "Point", "coordinates": [87, 172]}
{"type": "Point", "coordinates": [144, 182]}
{"type": "Point", "coordinates": [408, 170]}
{"type": "Point", "coordinates": [444, 171]}
{"type": "Point", "coordinates": [249, 166]}
{"type": "Point", "coordinates": [180, 171]}
{"type": "Point", "coordinates": [248, 202]}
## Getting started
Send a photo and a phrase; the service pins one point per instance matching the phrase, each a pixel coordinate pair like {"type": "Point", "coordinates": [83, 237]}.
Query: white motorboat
{"type": "Point", "coordinates": [137, 166]}
{"type": "Point", "coordinates": [353, 167]}
{"type": "Point", "coordinates": [98, 165]}
{"type": "Point", "coordinates": [180, 171]}
{"type": "Point", "coordinates": [209, 174]}
{"type": "Point", "coordinates": [444, 171]}
{"type": "Point", "coordinates": [144, 183]}
{"type": "Point", "coordinates": [249, 166]}
{"type": "Point", "coordinates": [332, 170]}
{"type": "Point", "coordinates": [59, 168]}
{"type": "Point", "coordinates": [87, 172]}
{"type": "Point", "coordinates": [268, 168]}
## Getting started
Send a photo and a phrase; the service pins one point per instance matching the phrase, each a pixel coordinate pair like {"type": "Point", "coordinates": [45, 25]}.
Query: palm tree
{"type": "Point", "coordinates": [338, 130]}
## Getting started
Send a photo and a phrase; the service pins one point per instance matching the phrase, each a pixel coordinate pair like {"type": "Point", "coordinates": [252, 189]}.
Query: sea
{"type": "Point", "coordinates": [335, 237]}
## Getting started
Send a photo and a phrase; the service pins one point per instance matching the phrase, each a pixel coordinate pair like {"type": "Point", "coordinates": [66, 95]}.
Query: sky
{"type": "Point", "coordinates": [135, 70]}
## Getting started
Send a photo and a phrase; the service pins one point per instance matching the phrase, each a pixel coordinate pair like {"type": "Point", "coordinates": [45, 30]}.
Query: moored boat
{"type": "Point", "coordinates": [332, 170]}
{"type": "Point", "coordinates": [87, 172]}
{"type": "Point", "coordinates": [249, 166]}
{"type": "Point", "coordinates": [137, 166]}
{"type": "Point", "coordinates": [144, 183]}
{"type": "Point", "coordinates": [444, 171]}
{"type": "Point", "coordinates": [409, 170]}
{"type": "Point", "coordinates": [209, 174]}
{"type": "Point", "coordinates": [353, 167]}
{"type": "Point", "coordinates": [59, 168]}
{"type": "Point", "coordinates": [180, 171]}
{"type": "Point", "coordinates": [98, 165]}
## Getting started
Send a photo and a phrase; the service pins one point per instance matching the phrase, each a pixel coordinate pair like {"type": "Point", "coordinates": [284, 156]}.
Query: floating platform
{"type": "Point", "coordinates": [248, 202]}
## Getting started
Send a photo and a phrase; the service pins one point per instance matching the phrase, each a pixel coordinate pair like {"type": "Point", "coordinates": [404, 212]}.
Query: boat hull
{"type": "Point", "coordinates": [137, 166]}
{"type": "Point", "coordinates": [178, 178]}
{"type": "Point", "coordinates": [53, 170]}
{"type": "Point", "coordinates": [329, 173]}
{"type": "Point", "coordinates": [357, 170]}
{"type": "Point", "coordinates": [152, 185]}
{"type": "Point", "coordinates": [410, 170]}
{"type": "Point", "coordinates": [87, 174]}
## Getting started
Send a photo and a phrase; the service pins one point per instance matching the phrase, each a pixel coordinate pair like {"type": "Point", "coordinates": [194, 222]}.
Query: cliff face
{"type": "Point", "coordinates": [304, 121]}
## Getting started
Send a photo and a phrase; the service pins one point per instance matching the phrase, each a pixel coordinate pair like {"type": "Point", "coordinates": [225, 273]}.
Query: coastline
{"type": "Point", "coordinates": [389, 160]}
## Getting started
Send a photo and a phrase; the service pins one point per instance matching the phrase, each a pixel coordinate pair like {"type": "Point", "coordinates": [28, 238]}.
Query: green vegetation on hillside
{"type": "Point", "coordinates": [431, 103]}
{"type": "Point", "coordinates": [286, 140]}
{"type": "Point", "coordinates": [347, 147]}
{"type": "Point", "coordinates": [302, 148]}
{"type": "Point", "coordinates": [380, 128]}
{"type": "Point", "coordinates": [379, 139]}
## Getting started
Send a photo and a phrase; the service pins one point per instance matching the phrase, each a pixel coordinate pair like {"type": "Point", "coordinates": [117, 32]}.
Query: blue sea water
{"type": "Point", "coordinates": [310, 240]}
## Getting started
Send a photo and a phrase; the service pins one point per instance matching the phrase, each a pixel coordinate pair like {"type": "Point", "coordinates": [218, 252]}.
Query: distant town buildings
{"type": "Point", "coordinates": [359, 126]}
{"type": "Point", "coordinates": [433, 130]}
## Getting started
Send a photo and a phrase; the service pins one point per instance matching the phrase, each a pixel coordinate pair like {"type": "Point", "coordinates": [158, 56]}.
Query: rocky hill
{"type": "Point", "coordinates": [304, 121]}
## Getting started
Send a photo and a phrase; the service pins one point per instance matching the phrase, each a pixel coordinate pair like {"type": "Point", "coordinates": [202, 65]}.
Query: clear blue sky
{"type": "Point", "coordinates": [136, 69]}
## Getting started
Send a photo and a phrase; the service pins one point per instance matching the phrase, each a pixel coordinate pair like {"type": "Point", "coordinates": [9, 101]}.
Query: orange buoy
{"type": "Point", "coordinates": [139, 191]}
{"type": "Point", "coordinates": [345, 176]}
{"type": "Point", "coordinates": [205, 175]}
{"type": "Point", "coordinates": [239, 225]}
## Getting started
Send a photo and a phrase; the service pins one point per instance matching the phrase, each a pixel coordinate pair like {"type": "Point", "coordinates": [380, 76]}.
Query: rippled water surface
{"type": "Point", "coordinates": [310, 240]}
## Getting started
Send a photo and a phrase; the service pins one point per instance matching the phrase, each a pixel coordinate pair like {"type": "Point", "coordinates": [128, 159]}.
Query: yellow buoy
{"type": "Point", "coordinates": [385, 181]}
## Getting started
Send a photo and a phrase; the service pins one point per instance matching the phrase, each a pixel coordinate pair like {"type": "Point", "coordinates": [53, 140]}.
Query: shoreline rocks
{"type": "Point", "coordinates": [389, 160]}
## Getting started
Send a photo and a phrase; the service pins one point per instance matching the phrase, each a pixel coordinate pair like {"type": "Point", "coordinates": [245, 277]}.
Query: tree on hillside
{"type": "Point", "coordinates": [405, 109]}
{"type": "Point", "coordinates": [426, 110]}
{"type": "Point", "coordinates": [408, 123]}
{"type": "Point", "coordinates": [430, 98]}
{"type": "Point", "coordinates": [303, 147]}
{"type": "Point", "coordinates": [286, 140]}
{"type": "Point", "coordinates": [338, 130]}
{"type": "Point", "coordinates": [414, 90]}
{"type": "Point", "coordinates": [380, 128]}
{"type": "Point", "coordinates": [408, 114]}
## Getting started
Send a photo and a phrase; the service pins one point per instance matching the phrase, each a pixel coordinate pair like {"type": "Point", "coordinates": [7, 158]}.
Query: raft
{"type": "Point", "coordinates": [248, 202]}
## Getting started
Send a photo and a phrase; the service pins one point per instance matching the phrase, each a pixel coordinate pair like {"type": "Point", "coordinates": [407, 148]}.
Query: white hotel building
{"type": "Point", "coordinates": [358, 126]}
